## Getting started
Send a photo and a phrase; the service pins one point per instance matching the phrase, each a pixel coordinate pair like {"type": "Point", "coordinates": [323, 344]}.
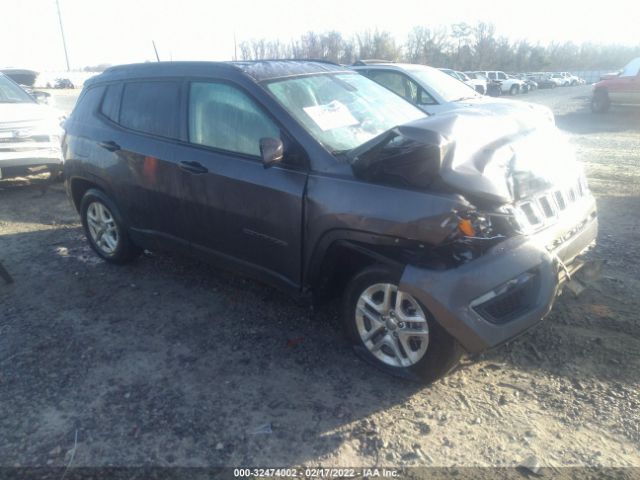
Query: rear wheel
{"type": "Point", "coordinates": [600, 102]}
{"type": "Point", "coordinates": [105, 229]}
{"type": "Point", "coordinates": [393, 331]}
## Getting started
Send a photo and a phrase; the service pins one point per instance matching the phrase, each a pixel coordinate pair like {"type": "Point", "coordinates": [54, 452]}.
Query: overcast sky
{"type": "Point", "coordinates": [120, 31]}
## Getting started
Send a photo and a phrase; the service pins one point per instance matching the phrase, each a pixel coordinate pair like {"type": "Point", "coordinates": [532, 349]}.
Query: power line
{"type": "Point", "coordinates": [64, 42]}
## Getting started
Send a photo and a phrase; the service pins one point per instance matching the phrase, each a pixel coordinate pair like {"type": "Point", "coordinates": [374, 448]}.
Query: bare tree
{"type": "Point", "coordinates": [459, 46]}
{"type": "Point", "coordinates": [427, 46]}
{"type": "Point", "coordinates": [377, 44]}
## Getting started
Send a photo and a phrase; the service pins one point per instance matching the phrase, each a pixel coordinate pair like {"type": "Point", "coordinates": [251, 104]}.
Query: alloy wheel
{"type": "Point", "coordinates": [102, 227]}
{"type": "Point", "coordinates": [392, 325]}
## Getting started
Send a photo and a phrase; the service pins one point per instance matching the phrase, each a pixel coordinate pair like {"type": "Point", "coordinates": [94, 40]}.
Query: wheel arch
{"type": "Point", "coordinates": [78, 186]}
{"type": "Point", "coordinates": [340, 254]}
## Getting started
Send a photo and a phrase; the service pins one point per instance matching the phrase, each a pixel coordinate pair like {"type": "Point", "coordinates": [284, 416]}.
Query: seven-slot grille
{"type": "Point", "coordinates": [545, 208]}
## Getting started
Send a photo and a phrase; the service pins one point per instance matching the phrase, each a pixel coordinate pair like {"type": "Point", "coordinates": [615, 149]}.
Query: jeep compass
{"type": "Point", "coordinates": [443, 234]}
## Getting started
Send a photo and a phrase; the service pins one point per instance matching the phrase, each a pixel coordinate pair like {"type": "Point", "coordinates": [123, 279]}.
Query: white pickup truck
{"type": "Point", "coordinates": [513, 86]}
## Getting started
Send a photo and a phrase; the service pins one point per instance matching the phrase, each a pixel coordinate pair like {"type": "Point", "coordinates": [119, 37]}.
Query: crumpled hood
{"type": "Point", "coordinates": [479, 154]}
{"type": "Point", "coordinates": [527, 112]}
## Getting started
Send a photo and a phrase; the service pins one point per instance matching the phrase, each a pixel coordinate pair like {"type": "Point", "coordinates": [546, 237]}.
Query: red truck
{"type": "Point", "coordinates": [623, 87]}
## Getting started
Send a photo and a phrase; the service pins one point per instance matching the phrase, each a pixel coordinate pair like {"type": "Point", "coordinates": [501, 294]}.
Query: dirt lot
{"type": "Point", "coordinates": [170, 362]}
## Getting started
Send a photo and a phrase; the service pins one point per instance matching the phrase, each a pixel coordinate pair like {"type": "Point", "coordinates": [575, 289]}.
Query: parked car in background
{"type": "Point", "coordinates": [624, 88]}
{"type": "Point", "coordinates": [29, 133]}
{"type": "Point", "coordinates": [543, 80]}
{"type": "Point", "coordinates": [434, 91]}
{"type": "Point", "coordinates": [524, 87]}
{"type": "Point", "coordinates": [560, 79]}
{"type": "Point", "coordinates": [529, 83]}
{"type": "Point", "coordinates": [314, 178]}
{"type": "Point", "coordinates": [63, 83]}
{"type": "Point", "coordinates": [478, 84]}
{"type": "Point", "coordinates": [571, 79]}
{"type": "Point", "coordinates": [493, 86]}
{"type": "Point", "coordinates": [39, 96]}
{"type": "Point", "coordinates": [512, 86]}
{"type": "Point", "coordinates": [481, 80]}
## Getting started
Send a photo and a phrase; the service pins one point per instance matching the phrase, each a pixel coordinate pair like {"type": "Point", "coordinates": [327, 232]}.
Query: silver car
{"type": "Point", "coordinates": [434, 91]}
{"type": "Point", "coordinates": [29, 133]}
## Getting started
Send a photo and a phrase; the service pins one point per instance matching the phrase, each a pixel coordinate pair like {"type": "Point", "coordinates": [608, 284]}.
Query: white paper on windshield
{"type": "Point", "coordinates": [330, 116]}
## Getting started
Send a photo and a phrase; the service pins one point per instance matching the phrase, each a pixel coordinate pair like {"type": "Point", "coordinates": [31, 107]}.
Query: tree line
{"type": "Point", "coordinates": [459, 46]}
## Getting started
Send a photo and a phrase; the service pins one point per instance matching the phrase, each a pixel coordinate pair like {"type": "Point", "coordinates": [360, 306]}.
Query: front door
{"type": "Point", "coordinates": [237, 209]}
{"type": "Point", "coordinates": [626, 87]}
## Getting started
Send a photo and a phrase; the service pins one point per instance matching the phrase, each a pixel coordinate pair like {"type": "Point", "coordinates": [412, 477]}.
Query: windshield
{"type": "Point", "coordinates": [342, 111]}
{"type": "Point", "coordinates": [449, 88]}
{"type": "Point", "coordinates": [10, 92]}
{"type": "Point", "coordinates": [631, 69]}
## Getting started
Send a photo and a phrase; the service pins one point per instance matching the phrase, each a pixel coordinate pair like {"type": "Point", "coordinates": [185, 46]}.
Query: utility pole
{"type": "Point", "coordinates": [155, 50]}
{"type": "Point", "coordinates": [64, 42]}
{"type": "Point", "coordinates": [235, 48]}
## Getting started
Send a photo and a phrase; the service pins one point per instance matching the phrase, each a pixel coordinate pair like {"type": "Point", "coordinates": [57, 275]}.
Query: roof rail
{"type": "Point", "coordinates": [371, 61]}
{"type": "Point", "coordinates": [317, 60]}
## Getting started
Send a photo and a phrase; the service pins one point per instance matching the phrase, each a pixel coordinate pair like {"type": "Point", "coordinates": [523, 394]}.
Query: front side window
{"type": "Point", "coordinates": [448, 88]}
{"type": "Point", "coordinates": [151, 107]}
{"type": "Point", "coordinates": [10, 92]}
{"type": "Point", "coordinates": [224, 117]}
{"type": "Point", "coordinates": [342, 111]}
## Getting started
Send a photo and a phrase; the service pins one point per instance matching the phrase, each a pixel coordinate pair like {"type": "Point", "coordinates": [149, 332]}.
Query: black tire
{"type": "Point", "coordinates": [600, 101]}
{"type": "Point", "coordinates": [443, 352]}
{"type": "Point", "coordinates": [56, 175]}
{"type": "Point", "coordinates": [514, 90]}
{"type": "Point", "coordinates": [125, 250]}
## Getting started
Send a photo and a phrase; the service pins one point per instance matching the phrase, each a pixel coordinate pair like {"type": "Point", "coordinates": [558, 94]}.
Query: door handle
{"type": "Point", "coordinates": [193, 167]}
{"type": "Point", "coordinates": [110, 145]}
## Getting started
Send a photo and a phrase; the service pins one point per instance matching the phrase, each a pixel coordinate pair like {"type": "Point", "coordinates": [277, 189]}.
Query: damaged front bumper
{"type": "Point", "coordinates": [511, 288]}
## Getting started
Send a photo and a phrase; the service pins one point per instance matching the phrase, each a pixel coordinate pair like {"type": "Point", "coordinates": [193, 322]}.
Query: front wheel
{"type": "Point", "coordinates": [105, 229]}
{"type": "Point", "coordinates": [600, 102]}
{"type": "Point", "coordinates": [393, 331]}
{"type": "Point", "coordinates": [513, 90]}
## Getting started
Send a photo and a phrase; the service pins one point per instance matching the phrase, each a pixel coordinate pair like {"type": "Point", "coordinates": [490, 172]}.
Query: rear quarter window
{"type": "Point", "coordinates": [151, 107]}
{"type": "Point", "coordinates": [111, 102]}
{"type": "Point", "coordinates": [87, 104]}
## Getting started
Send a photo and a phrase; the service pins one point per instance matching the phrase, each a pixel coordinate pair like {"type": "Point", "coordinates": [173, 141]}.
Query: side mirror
{"type": "Point", "coordinates": [41, 97]}
{"type": "Point", "coordinates": [272, 151]}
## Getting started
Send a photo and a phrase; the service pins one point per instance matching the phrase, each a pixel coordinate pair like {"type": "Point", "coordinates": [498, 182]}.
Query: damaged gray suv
{"type": "Point", "coordinates": [443, 234]}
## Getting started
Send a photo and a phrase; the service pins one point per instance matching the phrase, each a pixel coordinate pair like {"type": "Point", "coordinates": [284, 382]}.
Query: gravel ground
{"type": "Point", "coordinates": [168, 362]}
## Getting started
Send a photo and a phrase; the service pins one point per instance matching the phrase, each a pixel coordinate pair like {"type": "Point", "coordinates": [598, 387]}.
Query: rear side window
{"type": "Point", "coordinates": [151, 107]}
{"type": "Point", "coordinates": [111, 102]}
{"type": "Point", "coordinates": [224, 117]}
{"type": "Point", "coordinates": [87, 104]}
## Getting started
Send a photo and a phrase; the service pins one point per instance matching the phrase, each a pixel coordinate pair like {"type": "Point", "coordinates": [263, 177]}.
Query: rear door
{"type": "Point", "coordinates": [237, 209]}
{"type": "Point", "coordinates": [150, 183]}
